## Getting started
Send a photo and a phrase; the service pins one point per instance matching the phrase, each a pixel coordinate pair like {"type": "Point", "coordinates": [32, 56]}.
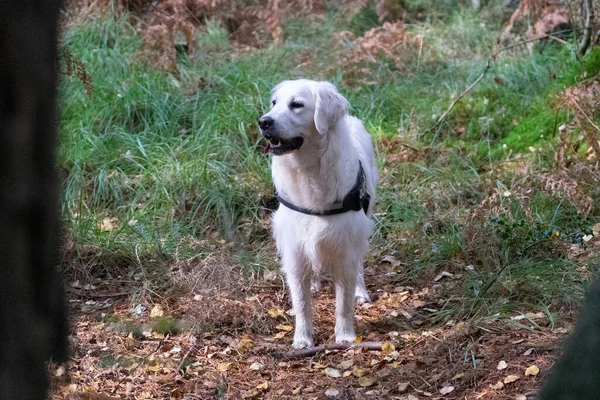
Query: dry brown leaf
{"type": "Point", "coordinates": [332, 372]}
{"type": "Point", "coordinates": [276, 312]}
{"type": "Point", "coordinates": [447, 389]}
{"type": "Point", "coordinates": [532, 370]}
{"type": "Point", "coordinates": [286, 328]}
{"type": "Point", "coordinates": [511, 379]}
{"type": "Point", "coordinates": [387, 348]}
{"type": "Point", "coordinates": [157, 312]}
{"type": "Point", "coordinates": [497, 386]}
{"type": "Point", "coordinates": [366, 381]}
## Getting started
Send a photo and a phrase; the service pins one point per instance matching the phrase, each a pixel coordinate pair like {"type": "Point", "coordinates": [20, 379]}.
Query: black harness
{"type": "Point", "coordinates": [356, 199]}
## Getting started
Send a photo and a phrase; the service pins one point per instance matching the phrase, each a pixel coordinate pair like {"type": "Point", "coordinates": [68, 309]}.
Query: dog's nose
{"type": "Point", "coordinates": [265, 122]}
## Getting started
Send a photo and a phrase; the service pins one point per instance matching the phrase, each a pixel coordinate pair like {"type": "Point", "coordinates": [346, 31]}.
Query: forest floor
{"type": "Point", "coordinates": [170, 350]}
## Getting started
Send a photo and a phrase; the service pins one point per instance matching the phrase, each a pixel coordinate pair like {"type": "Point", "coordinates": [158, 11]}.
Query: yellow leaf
{"type": "Point", "coordinates": [387, 348]}
{"type": "Point", "coordinates": [153, 367]}
{"type": "Point", "coordinates": [287, 328]}
{"type": "Point", "coordinates": [394, 364]}
{"type": "Point", "coordinates": [596, 229]}
{"type": "Point", "coordinates": [245, 344]}
{"type": "Point", "coordinates": [347, 373]}
{"type": "Point", "coordinates": [108, 224]}
{"type": "Point", "coordinates": [418, 303]}
{"type": "Point", "coordinates": [366, 381]}
{"type": "Point", "coordinates": [276, 312]}
{"type": "Point", "coordinates": [358, 339]}
{"type": "Point", "coordinates": [157, 311]}
{"type": "Point", "coordinates": [497, 386]}
{"type": "Point", "coordinates": [130, 340]}
{"type": "Point", "coordinates": [556, 233]}
{"type": "Point", "coordinates": [532, 371]}
{"type": "Point", "coordinates": [358, 372]}
{"type": "Point", "coordinates": [511, 379]}
{"type": "Point", "coordinates": [280, 335]}
{"type": "Point", "coordinates": [222, 367]}
{"type": "Point", "coordinates": [263, 386]}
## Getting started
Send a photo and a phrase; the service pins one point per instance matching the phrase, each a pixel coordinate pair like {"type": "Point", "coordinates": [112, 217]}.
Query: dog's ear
{"type": "Point", "coordinates": [330, 106]}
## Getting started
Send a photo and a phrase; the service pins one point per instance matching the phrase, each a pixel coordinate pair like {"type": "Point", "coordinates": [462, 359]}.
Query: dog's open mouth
{"type": "Point", "coordinates": [283, 146]}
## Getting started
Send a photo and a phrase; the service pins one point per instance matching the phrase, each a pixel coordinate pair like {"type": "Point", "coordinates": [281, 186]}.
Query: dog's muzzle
{"type": "Point", "coordinates": [277, 145]}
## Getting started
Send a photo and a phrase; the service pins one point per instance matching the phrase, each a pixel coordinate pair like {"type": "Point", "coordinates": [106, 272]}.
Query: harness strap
{"type": "Point", "coordinates": [356, 199]}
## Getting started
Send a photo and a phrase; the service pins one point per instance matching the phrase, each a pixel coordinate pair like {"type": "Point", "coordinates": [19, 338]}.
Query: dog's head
{"type": "Point", "coordinates": [301, 110]}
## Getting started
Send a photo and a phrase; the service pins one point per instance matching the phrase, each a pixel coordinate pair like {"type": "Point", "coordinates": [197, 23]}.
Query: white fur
{"type": "Point", "coordinates": [321, 172]}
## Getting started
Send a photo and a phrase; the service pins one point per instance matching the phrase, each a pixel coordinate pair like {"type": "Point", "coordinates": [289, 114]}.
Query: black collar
{"type": "Point", "coordinates": [356, 199]}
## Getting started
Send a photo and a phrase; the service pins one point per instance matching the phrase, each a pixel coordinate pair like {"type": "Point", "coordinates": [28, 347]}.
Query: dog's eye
{"type": "Point", "coordinates": [295, 104]}
{"type": "Point", "coordinates": [273, 102]}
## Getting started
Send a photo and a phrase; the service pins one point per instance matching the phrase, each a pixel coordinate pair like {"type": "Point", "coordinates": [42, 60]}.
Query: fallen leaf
{"type": "Point", "coordinates": [263, 386]}
{"type": "Point", "coordinates": [502, 365]}
{"type": "Point", "coordinates": [520, 397]}
{"type": "Point", "coordinates": [443, 274]}
{"type": "Point", "coordinates": [253, 394]}
{"type": "Point", "coordinates": [280, 335]}
{"type": "Point", "coordinates": [222, 367]}
{"type": "Point", "coordinates": [332, 392]}
{"type": "Point", "coordinates": [245, 344]}
{"type": "Point", "coordinates": [366, 381]}
{"type": "Point", "coordinates": [459, 376]}
{"type": "Point", "coordinates": [358, 372]}
{"type": "Point", "coordinates": [511, 379]}
{"type": "Point", "coordinates": [276, 312]}
{"type": "Point", "coordinates": [387, 348]}
{"type": "Point", "coordinates": [157, 311]}
{"type": "Point", "coordinates": [358, 339]}
{"type": "Point", "coordinates": [332, 372]}
{"type": "Point", "coordinates": [447, 389]}
{"type": "Point", "coordinates": [347, 373]}
{"type": "Point", "coordinates": [532, 370]}
{"type": "Point", "coordinates": [346, 364]}
{"type": "Point", "coordinates": [497, 386]}
{"type": "Point", "coordinates": [286, 328]}
{"type": "Point", "coordinates": [108, 224]}
{"type": "Point", "coordinates": [403, 387]}
{"type": "Point", "coordinates": [390, 259]}
{"type": "Point", "coordinates": [528, 352]}
{"type": "Point", "coordinates": [256, 366]}
{"type": "Point", "coordinates": [418, 303]}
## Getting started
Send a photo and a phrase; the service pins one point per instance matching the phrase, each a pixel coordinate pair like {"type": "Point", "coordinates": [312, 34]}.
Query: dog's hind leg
{"type": "Point", "coordinates": [298, 276]}
{"type": "Point", "coordinates": [345, 288]}
{"type": "Point", "coordinates": [361, 295]}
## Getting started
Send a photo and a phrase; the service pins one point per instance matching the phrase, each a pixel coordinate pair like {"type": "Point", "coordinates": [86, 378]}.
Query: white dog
{"type": "Point", "coordinates": [325, 173]}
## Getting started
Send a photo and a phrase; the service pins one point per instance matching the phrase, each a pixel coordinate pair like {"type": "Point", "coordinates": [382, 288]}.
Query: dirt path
{"type": "Point", "coordinates": [224, 348]}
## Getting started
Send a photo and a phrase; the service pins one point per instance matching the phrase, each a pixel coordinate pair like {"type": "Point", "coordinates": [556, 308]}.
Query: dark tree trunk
{"type": "Point", "coordinates": [33, 324]}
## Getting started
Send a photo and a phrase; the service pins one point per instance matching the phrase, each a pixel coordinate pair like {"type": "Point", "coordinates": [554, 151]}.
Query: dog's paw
{"type": "Point", "coordinates": [345, 337]}
{"type": "Point", "coordinates": [316, 285]}
{"type": "Point", "coordinates": [361, 297]}
{"type": "Point", "coordinates": [302, 343]}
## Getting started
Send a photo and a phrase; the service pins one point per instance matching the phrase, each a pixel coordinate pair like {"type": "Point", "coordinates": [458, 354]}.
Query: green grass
{"type": "Point", "coordinates": [169, 159]}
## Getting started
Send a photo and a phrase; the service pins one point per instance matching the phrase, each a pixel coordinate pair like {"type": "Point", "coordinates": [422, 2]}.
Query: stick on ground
{"type": "Point", "coordinates": [333, 346]}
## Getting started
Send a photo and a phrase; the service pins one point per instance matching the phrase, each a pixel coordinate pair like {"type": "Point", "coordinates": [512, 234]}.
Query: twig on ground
{"type": "Point", "coordinates": [333, 346]}
{"type": "Point", "coordinates": [97, 295]}
{"type": "Point", "coordinates": [488, 65]}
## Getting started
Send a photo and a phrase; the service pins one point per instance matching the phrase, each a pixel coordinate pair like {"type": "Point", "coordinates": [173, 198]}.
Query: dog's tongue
{"type": "Point", "coordinates": [266, 152]}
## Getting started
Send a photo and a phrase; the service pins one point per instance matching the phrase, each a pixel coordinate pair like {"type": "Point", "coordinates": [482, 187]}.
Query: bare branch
{"type": "Point", "coordinates": [488, 65]}
{"type": "Point", "coordinates": [333, 346]}
{"type": "Point", "coordinates": [587, 30]}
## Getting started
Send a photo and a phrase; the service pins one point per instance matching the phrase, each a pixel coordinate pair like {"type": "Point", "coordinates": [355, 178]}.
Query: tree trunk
{"type": "Point", "coordinates": [33, 323]}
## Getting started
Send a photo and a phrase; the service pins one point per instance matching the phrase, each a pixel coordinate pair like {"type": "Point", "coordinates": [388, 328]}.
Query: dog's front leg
{"type": "Point", "coordinates": [345, 288]}
{"type": "Point", "coordinates": [361, 295]}
{"type": "Point", "coordinates": [298, 276]}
